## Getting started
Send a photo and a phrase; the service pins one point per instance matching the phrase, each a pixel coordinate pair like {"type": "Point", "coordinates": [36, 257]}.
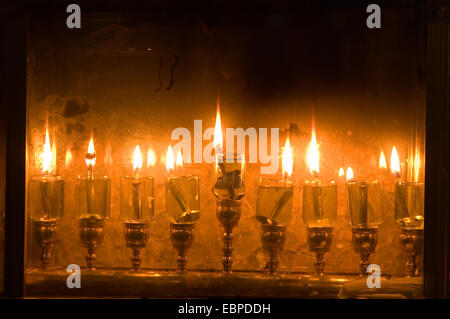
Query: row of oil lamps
{"type": "Point", "coordinates": [273, 211]}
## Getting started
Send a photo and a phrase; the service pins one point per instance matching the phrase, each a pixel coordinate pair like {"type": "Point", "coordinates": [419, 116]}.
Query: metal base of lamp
{"type": "Point", "coordinates": [182, 236]}
{"type": "Point", "coordinates": [273, 238]}
{"type": "Point", "coordinates": [45, 234]}
{"type": "Point", "coordinates": [319, 240]}
{"type": "Point", "coordinates": [91, 236]}
{"type": "Point", "coordinates": [411, 241]}
{"type": "Point", "coordinates": [228, 213]}
{"type": "Point", "coordinates": [364, 240]}
{"type": "Point", "coordinates": [136, 235]}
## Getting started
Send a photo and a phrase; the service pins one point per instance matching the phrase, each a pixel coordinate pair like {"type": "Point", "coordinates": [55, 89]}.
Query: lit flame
{"type": "Point", "coordinates": [416, 165]}
{"type": "Point", "coordinates": [137, 159]}
{"type": "Point", "coordinates": [90, 155]}
{"type": "Point", "coordinates": [170, 162]}
{"type": "Point", "coordinates": [383, 163]}
{"type": "Point", "coordinates": [69, 157]}
{"type": "Point", "coordinates": [179, 162]}
{"type": "Point", "coordinates": [287, 159]}
{"type": "Point", "coordinates": [313, 153]}
{"type": "Point", "coordinates": [151, 158]}
{"type": "Point", "coordinates": [349, 175]}
{"type": "Point", "coordinates": [218, 138]}
{"type": "Point", "coordinates": [47, 156]}
{"type": "Point", "coordinates": [341, 172]}
{"type": "Point", "coordinates": [395, 162]}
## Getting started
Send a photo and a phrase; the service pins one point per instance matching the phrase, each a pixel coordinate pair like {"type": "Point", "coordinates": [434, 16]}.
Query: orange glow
{"type": "Point", "coordinates": [108, 156]}
{"type": "Point", "coordinates": [349, 175]}
{"type": "Point", "coordinates": [170, 162]}
{"type": "Point", "coordinates": [90, 155]}
{"type": "Point", "coordinates": [151, 158]}
{"type": "Point", "coordinates": [287, 161]}
{"type": "Point", "coordinates": [47, 156]}
{"type": "Point", "coordinates": [312, 157]}
{"type": "Point", "coordinates": [416, 165]}
{"type": "Point", "coordinates": [137, 159]}
{"type": "Point", "coordinates": [179, 162]}
{"type": "Point", "coordinates": [53, 154]}
{"type": "Point", "coordinates": [382, 163]}
{"type": "Point", "coordinates": [341, 172]}
{"type": "Point", "coordinates": [218, 137]}
{"type": "Point", "coordinates": [395, 162]}
{"type": "Point", "coordinates": [69, 157]}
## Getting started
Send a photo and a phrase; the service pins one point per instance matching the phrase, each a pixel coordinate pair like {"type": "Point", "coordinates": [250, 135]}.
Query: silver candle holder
{"type": "Point", "coordinates": [229, 171]}
{"type": "Point", "coordinates": [409, 201]}
{"type": "Point", "coordinates": [274, 212]}
{"type": "Point", "coordinates": [364, 203]}
{"type": "Point", "coordinates": [319, 214]}
{"type": "Point", "coordinates": [183, 207]}
{"type": "Point", "coordinates": [136, 210]}
{"type": "Point", "coordinates": [46, 206]}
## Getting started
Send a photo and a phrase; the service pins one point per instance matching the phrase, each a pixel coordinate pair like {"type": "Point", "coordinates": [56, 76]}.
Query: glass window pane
{"type": "Point", "coordinates": [353, 112]}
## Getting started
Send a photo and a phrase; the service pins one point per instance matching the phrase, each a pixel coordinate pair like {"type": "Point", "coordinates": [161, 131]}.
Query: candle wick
{"type": "Point", "coordinates": [90, 172]}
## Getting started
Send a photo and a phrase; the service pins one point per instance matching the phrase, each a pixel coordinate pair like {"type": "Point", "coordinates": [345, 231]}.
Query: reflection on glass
{"type": "Point", "coordinates": [319, 203]}
{"type": "Point", "coordinates": [409, 199]}
{"type": "Point", "coordinates": [229, 173]}
{"type": "Point", "coordinates": [364, 200]}
{"type": "Point", "coordinates": [137, 198]}
{"type": "Point", "coordinates": [274, 201]}
{"type": "Point", "coordinates": [183, 198]}
{"type": "Point", "coordinates": [92, 197]}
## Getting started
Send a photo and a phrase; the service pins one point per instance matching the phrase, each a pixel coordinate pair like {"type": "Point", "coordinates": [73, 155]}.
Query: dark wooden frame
{"type": "Point", "coordinates": [14, 64]}
{"type": "Point", "coordinates": [437, 179]}
{"type": "Point", "coordinates": [437, 189]}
